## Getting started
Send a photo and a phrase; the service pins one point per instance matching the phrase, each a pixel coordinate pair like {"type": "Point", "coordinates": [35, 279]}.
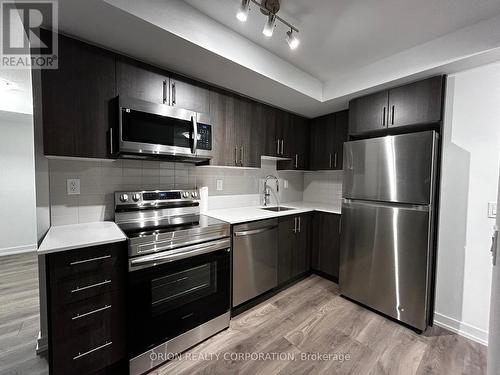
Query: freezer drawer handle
{"type": "Point", "coordinates": [254, 231]}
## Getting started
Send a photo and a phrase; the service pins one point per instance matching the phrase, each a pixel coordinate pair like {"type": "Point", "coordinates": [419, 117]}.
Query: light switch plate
{"type": "Point", "coordinates": [492, 210]}
{"type": "Point", "coordinates": [220, 185]}
{"type": "Point", "coordinates": [73, 186]}
{"type": "Point", "coordinates": [285, 184]}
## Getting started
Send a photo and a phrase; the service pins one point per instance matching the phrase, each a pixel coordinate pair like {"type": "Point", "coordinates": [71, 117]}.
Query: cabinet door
{"type": "Point", "coordinates": [258, 130]}
{"type": "Point", "coordinates": [418, 103]}
{"type": "Point", "coordinates": [77, 101]}
{"type": "Point", "coordinates": [299, 146]}
{"type": "Point", "coordinates": [140, 81]}
{"type": "Point", "coordinates": [284, 130]}
{"type": "Point", "coordinates": [341, 130]}
{"type": "Point", "coordinates": [322, 141]}
{"type": "Point", "coordinates": [223, 132]}
{"type": "Point", "coordinates": [302, 262]}
{"type": "Point", "coordinates": [189, 95]}
{"type": "Point", "coordinates": [243, 132]}
{"type": "Point", "coordinates": [368, 113]}
{"type": "Point", "coordinates": [271, 137]}
{"type": "Point", "coordinates": [287, 245]}
{"type": "Point", "coordinates": [326, 244]}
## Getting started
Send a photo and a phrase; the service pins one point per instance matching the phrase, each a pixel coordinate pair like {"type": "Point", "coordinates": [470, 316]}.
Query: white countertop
{"type": "Point", "coordinates": [245, 214]}
{"type": "Point", "coordinates": [76, 236]}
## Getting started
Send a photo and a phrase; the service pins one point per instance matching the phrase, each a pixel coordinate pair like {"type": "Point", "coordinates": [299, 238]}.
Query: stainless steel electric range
{"type": "Point", "coordinates": [179, 274]}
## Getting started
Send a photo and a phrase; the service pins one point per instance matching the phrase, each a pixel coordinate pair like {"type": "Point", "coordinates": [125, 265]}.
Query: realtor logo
{"type": "Point", "coordinates": [24, 45]}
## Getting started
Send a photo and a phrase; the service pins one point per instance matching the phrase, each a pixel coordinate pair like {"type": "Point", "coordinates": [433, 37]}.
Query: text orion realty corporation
{"type": "Point", "coordinates": [25, 43]}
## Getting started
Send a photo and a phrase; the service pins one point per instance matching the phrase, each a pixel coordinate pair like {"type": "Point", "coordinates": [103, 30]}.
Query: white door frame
{"type": "Point", "coordinates": [494, 330]}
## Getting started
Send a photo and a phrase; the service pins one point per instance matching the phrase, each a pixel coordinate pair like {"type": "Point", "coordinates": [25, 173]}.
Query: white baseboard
{"type": "Point", "coordinates": [17, 249]}
{"type": "Point", "coordinates": [463, 329]}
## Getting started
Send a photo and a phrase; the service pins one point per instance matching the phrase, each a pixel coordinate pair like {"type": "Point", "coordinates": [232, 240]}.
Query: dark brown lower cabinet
{"type": "Point", "coordinates": [86, 309]}
{"type": "Point", "coordinates": [294, 251]}
{"type": "Point", "coordinates": [326, 244]}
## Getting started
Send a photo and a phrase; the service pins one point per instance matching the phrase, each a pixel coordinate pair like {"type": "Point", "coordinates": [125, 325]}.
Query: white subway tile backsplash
{"type": "Point", "coordinates": [99, 180]}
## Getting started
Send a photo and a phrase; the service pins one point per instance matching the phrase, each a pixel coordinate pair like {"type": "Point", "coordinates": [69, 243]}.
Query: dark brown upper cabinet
{"type": "Point", "coordinates": [187, 94]}
{"type": "Point", "coordinates": [76, 101]}
{"type": "Point", "coordinates": [418, 103]}
{"type": "Point", "coordinates": [328, 134]}
{"type": "Point", "coordinates": [297, 140]}
{"type": "Point", "coordinates": [137, 80]}
{"type": "Point", "coordinates": [243, 126]}
{"type": "Point", "coordinates": [224, 147]}
{"type": "Point", "coordinates": [368, 113]}
{"type": "Point", "coordinates": [325, 256]}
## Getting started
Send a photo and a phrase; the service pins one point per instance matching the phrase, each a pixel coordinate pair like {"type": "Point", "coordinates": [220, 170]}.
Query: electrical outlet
{"type": "Point", "coordinates": [220, 185]}
{"type": "Point", "coordinates": [285, 184]}
{"type": "Point", "coordinates": [73, 186]}
{"type": "Point", "coordinates": [492, 210]}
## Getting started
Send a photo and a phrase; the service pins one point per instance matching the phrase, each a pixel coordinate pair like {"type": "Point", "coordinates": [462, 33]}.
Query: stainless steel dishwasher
{"type": "Point", "coordinates": [255, 259]}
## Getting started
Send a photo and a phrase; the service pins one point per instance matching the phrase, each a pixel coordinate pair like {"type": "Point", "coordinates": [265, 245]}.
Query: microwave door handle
{"type": "Point", "coordinates": [195, 134]}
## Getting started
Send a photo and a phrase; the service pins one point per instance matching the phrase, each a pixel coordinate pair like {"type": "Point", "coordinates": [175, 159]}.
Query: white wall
{"type": "Point", "coordinates": [17, 183]}
{"type": "Point", "coordinates": [471, 154]}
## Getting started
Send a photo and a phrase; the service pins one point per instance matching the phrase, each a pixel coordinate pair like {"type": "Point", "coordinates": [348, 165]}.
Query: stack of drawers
{"type": "Point", "coordinates": [86, 290]}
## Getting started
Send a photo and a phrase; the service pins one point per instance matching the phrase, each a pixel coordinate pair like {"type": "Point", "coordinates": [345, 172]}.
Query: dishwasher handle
{"type": "Point", "coordinates": [254, 231]}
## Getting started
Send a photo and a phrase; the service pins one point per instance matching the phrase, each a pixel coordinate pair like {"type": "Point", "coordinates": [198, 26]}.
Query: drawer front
{"type": "Point", "coordinates": [101, 312]}
{"type": "Point", "coordinates": [80, 274]}
{"type": "Point", "coordinates": [89, 352]}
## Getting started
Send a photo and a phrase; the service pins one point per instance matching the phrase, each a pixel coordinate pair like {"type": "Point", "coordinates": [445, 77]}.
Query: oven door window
{"type": "Point", "coordinates": [183, 287]}
{"type": "Point", "coordinates": [142, 127]}
{"type": "Point", "coordinates": [169, 299]}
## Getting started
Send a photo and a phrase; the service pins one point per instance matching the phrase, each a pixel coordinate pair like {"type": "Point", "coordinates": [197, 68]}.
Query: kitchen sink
{"type": "Point", "coordinates": [278, 209]}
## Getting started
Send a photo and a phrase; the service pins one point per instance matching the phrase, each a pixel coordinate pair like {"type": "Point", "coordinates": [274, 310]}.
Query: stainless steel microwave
{"type": "Point", "coordinates": [152, 130]}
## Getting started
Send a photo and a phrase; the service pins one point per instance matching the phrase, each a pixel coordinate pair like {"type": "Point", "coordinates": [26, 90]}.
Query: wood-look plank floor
{"type": "Point", "coordinates": [19, 316]}
{"type": "Point", "coordinates": [309, 317]}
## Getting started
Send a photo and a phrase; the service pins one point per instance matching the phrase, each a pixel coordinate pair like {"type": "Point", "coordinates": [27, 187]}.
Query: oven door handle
{"type": "Point", "coordinates": [185, 252]}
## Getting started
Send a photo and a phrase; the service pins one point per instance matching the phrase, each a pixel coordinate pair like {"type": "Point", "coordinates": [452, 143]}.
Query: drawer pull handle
{"type": "Point", "coordinates": [78, 289]}
{"type": "Point", "coordinates": [80, 355]}
{"type": "Point", "coordinates": [78, 316]}
{"type": "Point", "coordinates": [89, 260]}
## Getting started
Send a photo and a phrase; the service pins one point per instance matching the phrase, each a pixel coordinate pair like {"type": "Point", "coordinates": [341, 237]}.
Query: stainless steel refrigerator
{"type": "Point", "coordinates": [387, 237]}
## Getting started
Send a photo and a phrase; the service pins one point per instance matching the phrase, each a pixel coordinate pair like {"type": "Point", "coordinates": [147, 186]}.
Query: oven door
{"type": "Point", "coordinates": [174, 292]}
{"type": "Point", "coordinates": [156, 129]}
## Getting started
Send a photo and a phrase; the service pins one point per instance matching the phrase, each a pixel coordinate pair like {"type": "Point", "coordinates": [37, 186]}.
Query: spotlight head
{"type": "Point", "coordinates": [292, 40]}
{"type": "Point", "coordinates": [242, 14]}
{"type": "Point", "coordinates": [269, 26]}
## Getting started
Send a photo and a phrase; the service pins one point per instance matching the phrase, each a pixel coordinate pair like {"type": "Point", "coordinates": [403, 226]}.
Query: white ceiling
{"type": "Point", "coordinates": [343, 35]}
{"type": "Point", "coordinates": [348, 47]}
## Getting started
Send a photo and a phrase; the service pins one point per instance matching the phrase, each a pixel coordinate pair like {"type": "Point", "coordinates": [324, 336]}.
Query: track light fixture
{"type": "Point", "coordinates": [270, 9]}
{"type": "Point", "coordinates": [242, 14]}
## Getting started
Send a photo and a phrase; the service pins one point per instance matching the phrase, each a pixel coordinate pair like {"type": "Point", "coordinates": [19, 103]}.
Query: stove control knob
{"type": "Point", "coordinates": [136, 197]}
{"type": "Point", "coordinates": [124, 198]}
{"type": "Point", "coordinates": [194, 194]}
{"type": "Point", "coordinates": [185, 194]}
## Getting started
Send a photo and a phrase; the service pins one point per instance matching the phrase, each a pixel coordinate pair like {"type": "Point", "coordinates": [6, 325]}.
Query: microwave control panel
{"type": "Point", "coordinates": [204, 137]}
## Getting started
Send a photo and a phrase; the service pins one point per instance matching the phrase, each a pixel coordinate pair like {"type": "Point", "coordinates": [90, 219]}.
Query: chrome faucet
{"type": "Point", "coordinates": [267, 190]}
